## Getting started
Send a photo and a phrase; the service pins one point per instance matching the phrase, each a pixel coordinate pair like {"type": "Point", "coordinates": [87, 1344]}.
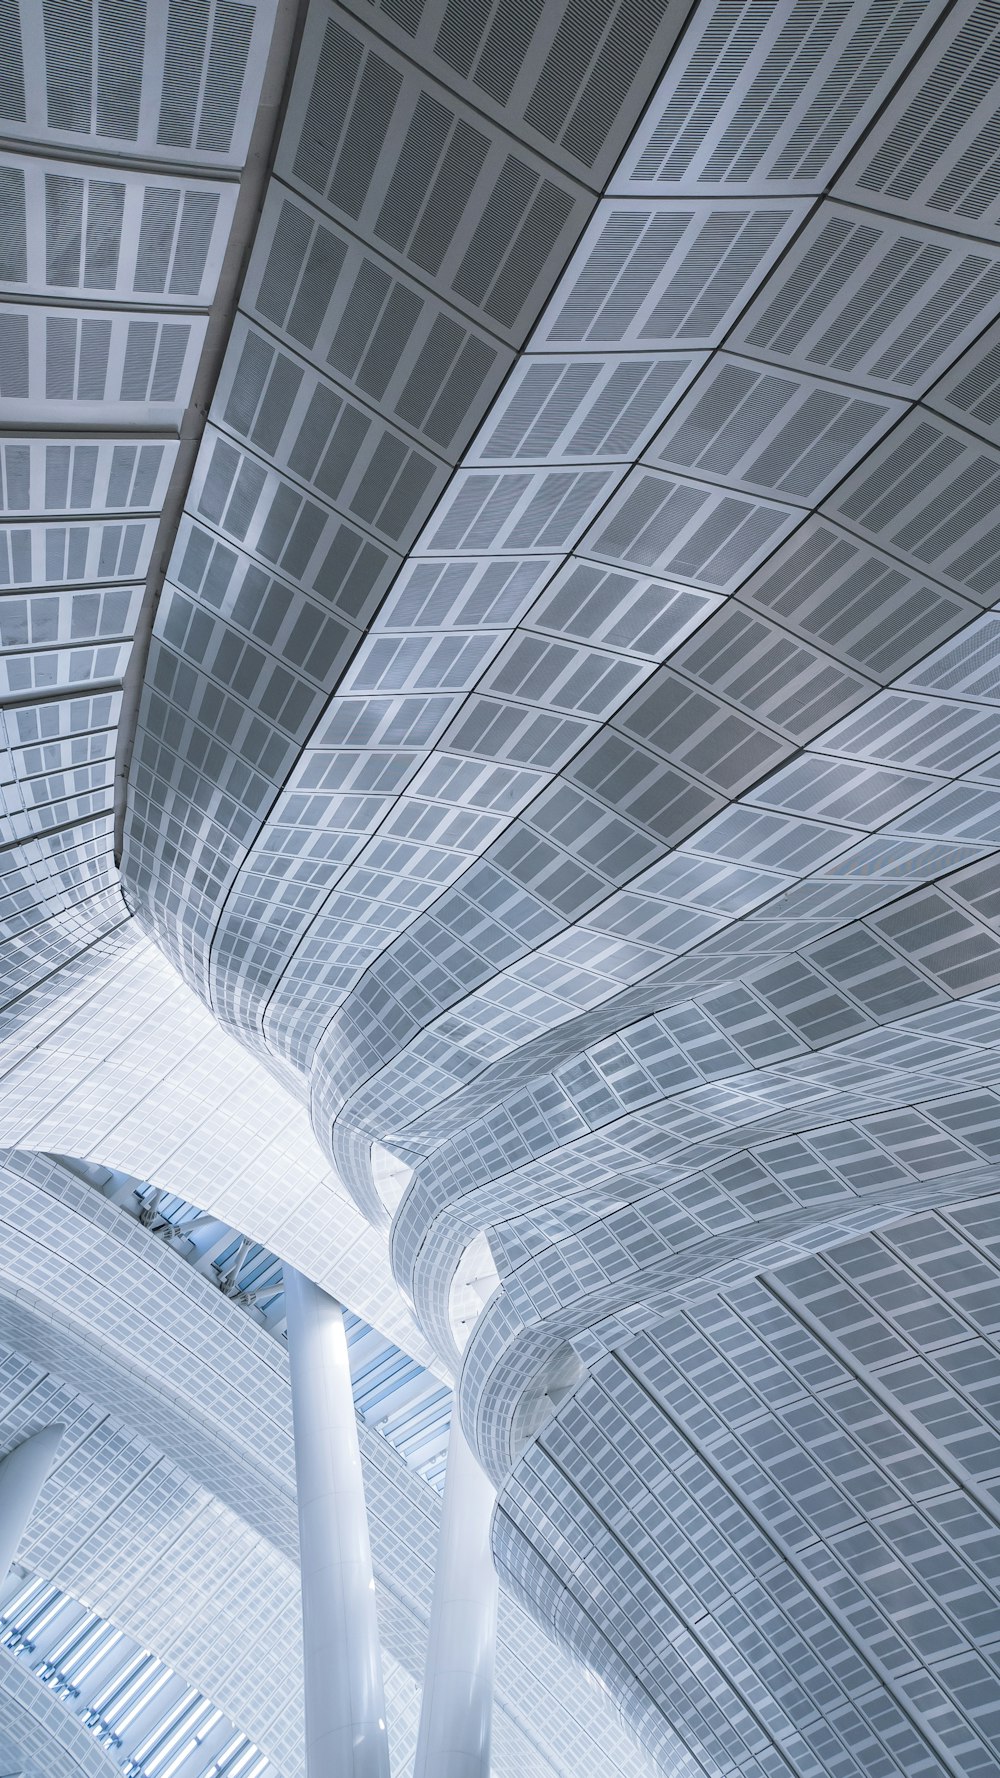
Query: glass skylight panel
{"type": "Point", "coordinates": [392, 1392]}
{"type": "Point", "coordinates": [110, 1684]}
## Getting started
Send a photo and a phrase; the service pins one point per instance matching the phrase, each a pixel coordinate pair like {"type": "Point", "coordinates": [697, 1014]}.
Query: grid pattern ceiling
{"type": "Point", "coordinates": [626, 647]}
{"type": "Point", "coordinates": [123, 131]}
{"type": "Point", "coordinates": [793, 1539]}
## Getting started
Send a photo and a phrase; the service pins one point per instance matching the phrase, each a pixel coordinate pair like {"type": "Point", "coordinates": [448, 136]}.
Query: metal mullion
{"type": "Point", "coordinates": [174, 1726]}
{"type": "Point", "coordinates": [146, 1709]}
{"type": "Point", "coordinates": [196, 1760]}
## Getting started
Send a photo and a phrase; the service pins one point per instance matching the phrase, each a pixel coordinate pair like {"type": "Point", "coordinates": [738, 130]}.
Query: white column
{"type": "Point", "coordinates": [23, 1474]}
{"type": "Point", "coordinates": [345, 1707]}
{"type": "Point", "coordinates": [457, 1705]}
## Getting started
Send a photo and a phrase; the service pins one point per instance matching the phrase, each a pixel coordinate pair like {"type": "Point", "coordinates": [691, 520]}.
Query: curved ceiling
{"type": "Point", "coordinates": [567, 753]}
{"type": "Point", "coordinates": [125, 132]}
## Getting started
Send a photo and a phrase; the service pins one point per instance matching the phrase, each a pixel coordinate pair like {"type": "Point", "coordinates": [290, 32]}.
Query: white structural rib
{"type": "Point", "coordinates": [344, 1702]}
{"type": "Point", "coordinates": [23, 1474]}
{"type": "Point", "coordinates": [457, 1707]}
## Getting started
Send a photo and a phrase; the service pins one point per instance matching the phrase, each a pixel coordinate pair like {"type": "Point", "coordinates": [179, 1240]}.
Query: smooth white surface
{"type": "Point", "coordinates": [23, 1474]}
{"type": "Point", "coordinates": [457, 1709]}
{"type": "Point", "coordinates": [344, 1703]}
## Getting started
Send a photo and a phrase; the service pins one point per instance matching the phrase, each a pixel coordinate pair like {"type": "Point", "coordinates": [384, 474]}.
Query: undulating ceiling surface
{"type": "Point", "coordinates": [568, 758]}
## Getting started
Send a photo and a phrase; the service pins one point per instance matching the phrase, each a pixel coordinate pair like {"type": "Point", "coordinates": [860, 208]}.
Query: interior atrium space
{"type": "Point", "coordinates": [499, 891]}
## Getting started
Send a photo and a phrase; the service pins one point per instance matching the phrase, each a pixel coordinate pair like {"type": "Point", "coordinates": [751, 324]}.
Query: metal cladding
{"type": "Point", "coordinates": [568, 759]}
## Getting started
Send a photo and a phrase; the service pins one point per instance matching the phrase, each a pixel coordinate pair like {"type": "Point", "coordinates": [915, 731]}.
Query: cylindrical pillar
{"type": "Point", "coordinates": [457, 1705]}
{"type": "Point", "coordinates": [344, 1703]}
{"type": "Point", "coordinates": [23, 1474]}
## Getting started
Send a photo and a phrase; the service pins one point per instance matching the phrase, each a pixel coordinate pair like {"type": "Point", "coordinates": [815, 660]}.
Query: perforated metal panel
{"type": "Point", "coordinates": [296, 419]}
{"type": "Point", "coordinates": [929, 493]}
{"type": "Point", "coordinates": [861, 605]}
{"type": "Point", "coordinates": [379, 332]}
{"type": "Point", "coordinates": [877, 300]}
{"type": "Point", "coordinates": [147, 77]}
{"type": "Point", "coordinates": [135, 237]}
{"type": "Point", "coordinates": [39, 477]}
{"type": "Point", "coordinates": [516, 510]}
{"type": "Point", "coordinates": [768, 97]}
{"type": "Point", "coordinates": [581, 409]}
{"type": "Point", "coordinates": [96, 365]}
{"type": "Point", "coordinates": [115, 216]}
{"type": "Point", "coordinates": [933, 153]}
{"type": "Point", "coordinates": [415, 172]}
{"type": "Point", "coordinates": [272, 518]}
{"type": "Point", "coordinates": [753, 428]}
{"type": "Point", "coordinates": [563, 75]}
{"type": "Point", "coordinates": [970, 391]}
{"type": "Point", "coordinates": [687, 530]}
{"type": "Point", "coordinates": [671, 274]}
{"type": "Point", "coordinates": [794, 688]}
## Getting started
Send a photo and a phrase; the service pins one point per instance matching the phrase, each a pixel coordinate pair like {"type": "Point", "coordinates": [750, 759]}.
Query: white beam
{"type": "Point", "coordinates": [456, 1710]}
{"type": "Point", "coordinates": [23, 1474]}
{"type": "Point", "coordinates": [344, 1702]}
